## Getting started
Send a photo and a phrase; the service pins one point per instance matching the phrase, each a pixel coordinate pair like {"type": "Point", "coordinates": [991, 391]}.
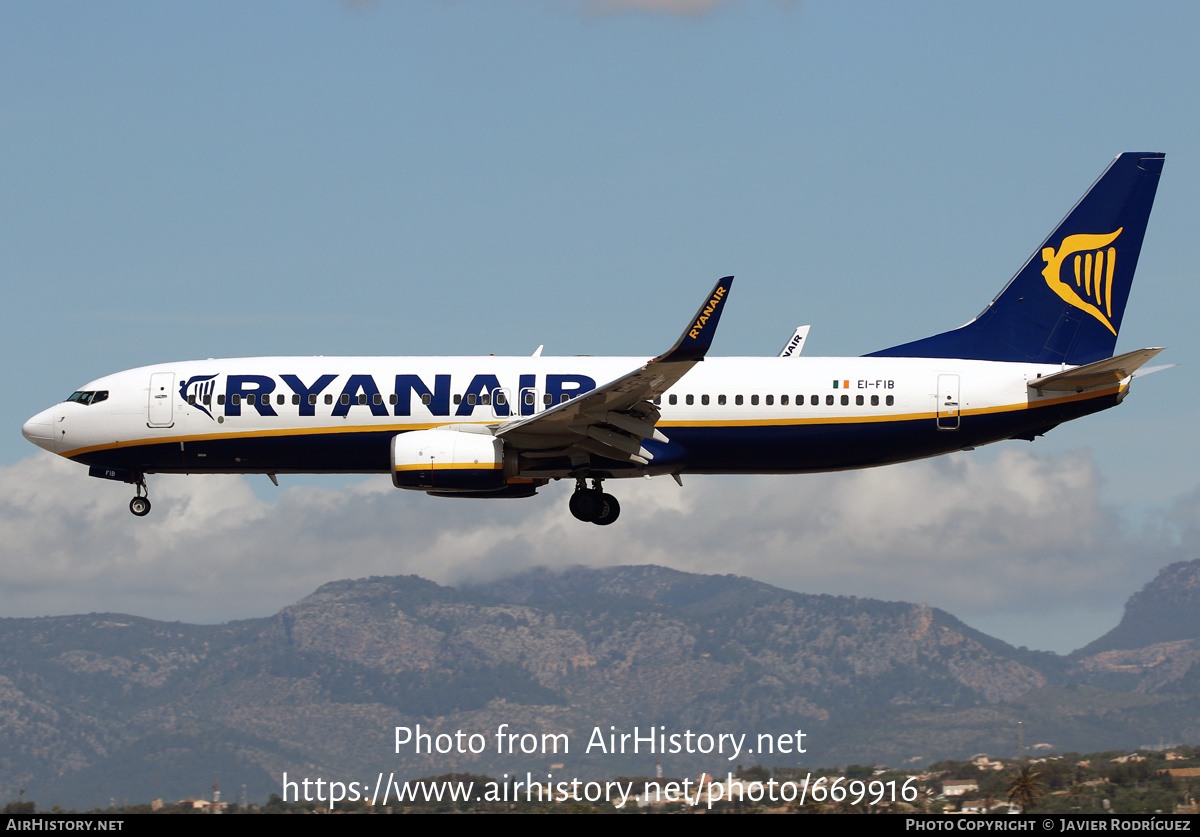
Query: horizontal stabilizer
{"type": "Point", "coordinates": [1102, 373]}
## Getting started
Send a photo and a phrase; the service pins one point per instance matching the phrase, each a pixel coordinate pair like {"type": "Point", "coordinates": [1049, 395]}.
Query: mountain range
{"type": "Point", "coordinates": [103, 707]}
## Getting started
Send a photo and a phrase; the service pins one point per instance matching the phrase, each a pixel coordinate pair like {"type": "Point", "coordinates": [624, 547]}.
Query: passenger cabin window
{"type": "Point", "coordinates": [296, 398]}
{"type": "Point", "coordinates": [704, 400]}
{"type": "Point", "coordinates": [690, 399]}
{"type": "Point", "coordinates": [471, 398]}
{"type": "Point", "coordinates": [673, 399]}
{"type": "Point", "coordinates": [874, 400]}
{"type": "Point", "coordinates": [376, 399]}
{"type": "Point", "coordinates": [328, 398]}
{"type": "Point", "coordinates": [845, 400]}
{"type": "Point", "coordinates": [236, 398]}
{"type": "Point", "coordinates": [279, 399]}
{"type": "Point", "coordinates": [737, 400]}
{"type": "Point", "coordinates": [721, 400]}
{"type": "Point", "coordinates": [828, 400]}
{"type": "Point", "coordinates": [426, 399]}
{"type": "Point", "coordinates": [770, 400]}
{"type": "Point", "coordinates": [816, 400]}
{"type": "Point", "coordinates": [192, 400]}
{"type": "Point", "coordinates": [890, 400]}
{"type": "Point", "coordinates": [753, 400]}
{"type": "Point", "coordinates": [312, 398]}
{"type": "Point", "coordinates": [858, 399]}
{"type": "Point", "coordinates": [529, 398]}
{"type": "Point", "coordinates": [783, 399]}
{"type": "Point", "coordinates": [345, 398]}
{"type": "Point", "coordinates": [220, 400]}
{"type": "Point", "coordinates": [249, 399]}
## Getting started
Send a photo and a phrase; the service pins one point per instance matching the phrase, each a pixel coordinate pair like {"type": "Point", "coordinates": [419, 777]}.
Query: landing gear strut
{"type": "Point", "coordinates": [140, 505]}
{"type": "Point", "coordinates": [592, 505]}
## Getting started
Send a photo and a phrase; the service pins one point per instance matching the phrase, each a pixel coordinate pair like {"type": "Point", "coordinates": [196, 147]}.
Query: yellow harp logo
{"type": "Point", "coordinates": [1094, 267]}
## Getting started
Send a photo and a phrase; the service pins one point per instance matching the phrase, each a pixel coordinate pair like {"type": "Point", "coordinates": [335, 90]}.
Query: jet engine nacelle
{"type": "Point", "coordinates": [451, 460]}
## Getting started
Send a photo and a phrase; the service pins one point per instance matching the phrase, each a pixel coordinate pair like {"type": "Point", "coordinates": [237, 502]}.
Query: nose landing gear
{"type": "Point", "coordinates": [592, 505]}
{"type": "Point", "coordinates": [140, 505]}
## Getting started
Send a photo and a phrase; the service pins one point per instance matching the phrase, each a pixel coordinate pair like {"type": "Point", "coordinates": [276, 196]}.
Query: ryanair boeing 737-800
{"type": "Point", "coordinates": [1039, 354]}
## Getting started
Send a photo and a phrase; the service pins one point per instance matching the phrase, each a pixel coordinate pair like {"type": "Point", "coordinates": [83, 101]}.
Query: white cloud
{"type": "Point", "coordinates": [977, 536]}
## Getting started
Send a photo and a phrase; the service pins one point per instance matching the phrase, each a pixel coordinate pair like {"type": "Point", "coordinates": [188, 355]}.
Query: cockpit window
{"type": "Point", "coordinates": [86, 397]}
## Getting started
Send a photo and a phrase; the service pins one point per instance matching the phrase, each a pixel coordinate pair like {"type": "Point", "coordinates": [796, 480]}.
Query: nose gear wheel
{"type": "Point", "coordinates": [140, 504]}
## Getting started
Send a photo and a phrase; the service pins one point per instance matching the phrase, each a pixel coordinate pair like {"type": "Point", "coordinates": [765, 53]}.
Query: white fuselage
{"type": "Point", "coordinates": [728, 415]}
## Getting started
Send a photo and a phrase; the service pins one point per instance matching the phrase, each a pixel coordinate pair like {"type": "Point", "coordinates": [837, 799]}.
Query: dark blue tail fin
{"type": "Point", "coordinates": [1065, 305]}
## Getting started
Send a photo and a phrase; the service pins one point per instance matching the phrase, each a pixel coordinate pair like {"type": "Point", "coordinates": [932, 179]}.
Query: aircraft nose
{"type": "Point", "coordinates": [40, 429]}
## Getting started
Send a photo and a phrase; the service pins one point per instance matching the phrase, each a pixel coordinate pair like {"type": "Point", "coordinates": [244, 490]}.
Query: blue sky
{"type": "Point", "coordinates": [193, 180]}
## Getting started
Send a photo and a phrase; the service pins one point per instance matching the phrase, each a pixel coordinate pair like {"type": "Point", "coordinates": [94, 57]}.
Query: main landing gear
{"type": "Point", "coordinates": [140, 505]}
{"type": "Point", "coordinates": [593, 505]}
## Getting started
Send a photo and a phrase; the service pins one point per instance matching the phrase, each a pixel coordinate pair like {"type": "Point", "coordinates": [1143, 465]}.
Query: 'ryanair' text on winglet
{"type": "Point", "coordinates": [698, 336]}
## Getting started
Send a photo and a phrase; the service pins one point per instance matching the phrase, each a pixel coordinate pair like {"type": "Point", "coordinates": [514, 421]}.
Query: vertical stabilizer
{"type": "Point", "coordinates": [1066, 304]}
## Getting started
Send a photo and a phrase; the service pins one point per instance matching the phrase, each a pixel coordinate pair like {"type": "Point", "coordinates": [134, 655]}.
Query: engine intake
{"type": "Point", "coordinates": [450, 460]}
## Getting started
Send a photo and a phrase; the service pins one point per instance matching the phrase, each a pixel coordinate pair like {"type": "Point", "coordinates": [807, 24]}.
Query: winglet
{"type": "Point", "coordinates": [698, 336]}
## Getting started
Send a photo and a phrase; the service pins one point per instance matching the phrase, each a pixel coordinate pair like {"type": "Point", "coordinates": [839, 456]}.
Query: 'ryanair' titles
{"type": "Point", "coordinates": [402, 393]}
{"type": "Point", "coordinates": [706, 312]}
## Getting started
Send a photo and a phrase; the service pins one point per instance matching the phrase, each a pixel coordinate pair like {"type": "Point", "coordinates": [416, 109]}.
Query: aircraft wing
{"type": "Point", "coordinates": [613, 419]}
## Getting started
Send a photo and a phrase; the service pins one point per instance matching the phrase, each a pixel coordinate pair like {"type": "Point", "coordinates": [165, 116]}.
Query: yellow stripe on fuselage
{"type": "Point", "coordinates": [452, 466]}
{"type": "Point", "coordinates": [766, 422]}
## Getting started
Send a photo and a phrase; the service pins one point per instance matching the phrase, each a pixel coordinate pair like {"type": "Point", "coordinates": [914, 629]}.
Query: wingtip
{"type": "Point", "coordinates": [693, 344]}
